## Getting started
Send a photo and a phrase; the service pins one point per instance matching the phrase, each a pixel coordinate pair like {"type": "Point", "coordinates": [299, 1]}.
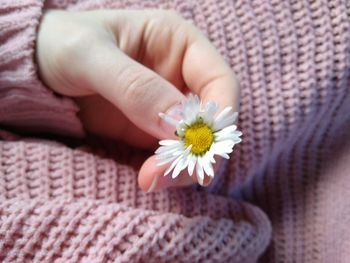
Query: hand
{"type": "Point", "coordinates": [124, 67]}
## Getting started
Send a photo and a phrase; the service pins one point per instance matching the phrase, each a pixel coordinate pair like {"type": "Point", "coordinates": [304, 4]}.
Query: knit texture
{"type": "Point", "coordinates": [293, 62]}
{"type": "Point", "coordinates": [24, 101]}
{"type": "Point", "coordinates": [67, 205]}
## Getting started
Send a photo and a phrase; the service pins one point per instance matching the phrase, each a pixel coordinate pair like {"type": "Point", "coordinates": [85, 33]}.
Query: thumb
{"type": "Point", "coordinates": [141, 95]}
{"type": "Point", "coordinates": [137, 91]}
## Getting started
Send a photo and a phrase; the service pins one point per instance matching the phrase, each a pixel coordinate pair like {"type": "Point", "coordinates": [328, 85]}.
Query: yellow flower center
{"type": "Point", "coordinates": [200, 136]}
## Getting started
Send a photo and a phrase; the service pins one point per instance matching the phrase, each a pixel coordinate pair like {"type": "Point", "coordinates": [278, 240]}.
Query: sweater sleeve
{"type": "Point", "coordinates": [25, 102]}
{"type": "Point", "coordinates": [64, 205]}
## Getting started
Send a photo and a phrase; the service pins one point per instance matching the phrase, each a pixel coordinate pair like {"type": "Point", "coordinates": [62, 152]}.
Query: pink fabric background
{"type": "Point", "coordinates": [283, 197]}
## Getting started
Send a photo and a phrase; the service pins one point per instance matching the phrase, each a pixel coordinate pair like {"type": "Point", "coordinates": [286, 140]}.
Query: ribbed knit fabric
{"type": "Point", "coordinates": [293, 62]}
{"type": "Point", "coordinates": [24, 101]}
{"type": "Point", "coordinates": [60, 205]}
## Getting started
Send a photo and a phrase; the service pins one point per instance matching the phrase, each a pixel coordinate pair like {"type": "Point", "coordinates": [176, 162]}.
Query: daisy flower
{"type": "Point", "coordinates": [201, 136]}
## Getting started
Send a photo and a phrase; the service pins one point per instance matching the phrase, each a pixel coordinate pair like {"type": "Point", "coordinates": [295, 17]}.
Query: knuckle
{"type": "Point", "coordinates": [76, 45]}
{"type": "Point", "coordinates": [73, 55]}
{"type": "Point", "coordinates": [168, 17]}
{"type": "Point", "coordinates": [137, 85]}
{"type": "Point", "coordinates": [173, 15]}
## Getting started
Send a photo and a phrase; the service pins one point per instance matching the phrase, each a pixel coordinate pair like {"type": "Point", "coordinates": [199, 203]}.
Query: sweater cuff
{"type": "Point", "coordinates": [25, 102]}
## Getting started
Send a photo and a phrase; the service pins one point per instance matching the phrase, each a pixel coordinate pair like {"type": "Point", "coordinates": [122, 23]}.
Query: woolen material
{"type": "Point", "coordinates": [284, 196]}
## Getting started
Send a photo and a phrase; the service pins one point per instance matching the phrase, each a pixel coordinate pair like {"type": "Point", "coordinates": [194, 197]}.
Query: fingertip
{"type": "Point", "coordinates": [224, 91]}
{"type": "Point", "coordinates": [151, 177]}
{"type": "Point", "coordinates": [148, 173]}
{"type": "Point", "coordinates": [219, 84]}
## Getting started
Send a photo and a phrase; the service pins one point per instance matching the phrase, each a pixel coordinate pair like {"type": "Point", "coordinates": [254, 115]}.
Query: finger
{"type": "Point", "coordinates": [151, 177]}
{"type": "Point", "coordinates": [216, 82]}
{"type": "Point", "coordinates": [137, 91]}
{"type": "Point", "coordinates": [109, 122]}
{"type": "Point", "coordinates": [206, 73]}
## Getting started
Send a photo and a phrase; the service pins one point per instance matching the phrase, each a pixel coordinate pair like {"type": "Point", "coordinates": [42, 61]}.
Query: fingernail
{"type": "Point", "coordinates": [207, 180]}
{"type": "Point", "coordinates": [153, 184]}
{"type": "Point", "coordinates": [170, 118]}
{"type": "Point", "coordinates": [161, 182]}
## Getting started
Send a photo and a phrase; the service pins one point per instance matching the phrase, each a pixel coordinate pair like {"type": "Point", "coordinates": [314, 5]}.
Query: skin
{"type": "Point", "coordinates": [131, 65]}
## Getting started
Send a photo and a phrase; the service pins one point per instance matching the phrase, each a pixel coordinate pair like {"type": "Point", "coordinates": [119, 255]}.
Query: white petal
{"type": "Point", "coordinates": [228, 133]}
{"type": "Point", "coordinates": [222, 147]}
{"type": "Point", "coordinates": [239, 133]}
{"type": "Point", "coordinates": [169, 156]}
{"type": "Point", "coordinates": [191, 109]}
{"type": "Point", "coordinates": [196, 107]}
{"type": "Point", "coordinates": [182, 164]}
{"type": "Point", "coordinates": [211, 157]}
{"type": "Point", "coordinates": [166, 158]}
{"type": "Point", "coordinates": [225, 118]}
{"type": "Point", "coordinates": [223, 114]}
{"type": "Point", "coordinates": [168, 170]}
{"type": "Point", "coordinates": [208, 168]}
{"type": "Point", "coordinates": [190, 118]}
{"type": "Point", "coordinates": [237, 140]}
{"type": "Point", "coordinates": [226, 130]}
{"type": "Point", "coordinates": [178, 152]}
{"type": "Point", "coordinates": [225, 144]}
{"type": "Point", "coordinates": [169, 142]}
{"type": "Point", "coordinates": [168, 119]}
{"type": "Point", "coordinates": [169, 148]}
{"type": "Point", "coordinates": [196, 103]}
{"type": "Point", "coordinates": [191, 163]}
{"type": "Point", "coordinates": [224, 155]}
{"type": "Point", "coordinates": [218, 125]}
{"type": "Point", "coordinates": [165, 154]}
{"type": "Point", "coordinates": [182, 151]}
{"type": "Point", "coordinates": [199, 171]}
{"type": "Point", "coordinates": [230, 128]}
{"type": "Point", "coordinates": [165, 161]}
{"type": "Point", "coordinates": [210, 109]}
{"type": "Point", "coordinates": [187, 151]}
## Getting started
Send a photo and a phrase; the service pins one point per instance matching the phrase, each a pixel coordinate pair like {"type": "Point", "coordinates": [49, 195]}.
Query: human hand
{"type": "Point", "coordinates": [124, 67]}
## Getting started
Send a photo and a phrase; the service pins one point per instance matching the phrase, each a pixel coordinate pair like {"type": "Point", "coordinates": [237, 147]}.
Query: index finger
{"type": "Point", "coordinates": [206, 73]}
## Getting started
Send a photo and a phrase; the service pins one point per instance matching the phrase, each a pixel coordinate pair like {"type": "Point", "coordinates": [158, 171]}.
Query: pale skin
{"type": "Point", "coordinates": [123, 67]}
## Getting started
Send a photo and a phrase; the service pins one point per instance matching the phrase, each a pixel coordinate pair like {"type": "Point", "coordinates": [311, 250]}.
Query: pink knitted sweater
{"type": "Point", "coordinates": [284, 196]}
